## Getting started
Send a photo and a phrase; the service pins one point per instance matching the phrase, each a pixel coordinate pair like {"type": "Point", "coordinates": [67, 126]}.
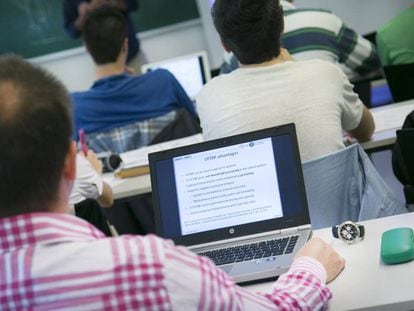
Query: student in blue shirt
{"type": "Point", "coordinates": [118, 98]}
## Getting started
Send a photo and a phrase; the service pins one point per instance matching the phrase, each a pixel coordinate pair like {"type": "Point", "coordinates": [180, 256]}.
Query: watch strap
{"type": "Point", "coordinates": [361, 231]}
{"type": "Point", "coordinates": [335, 232]}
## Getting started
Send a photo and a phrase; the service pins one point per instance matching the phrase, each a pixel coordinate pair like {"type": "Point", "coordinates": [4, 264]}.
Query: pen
{"type": "Point", "coordinates": [82, 141]}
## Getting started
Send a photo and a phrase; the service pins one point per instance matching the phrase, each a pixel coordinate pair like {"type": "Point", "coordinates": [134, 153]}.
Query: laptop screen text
{"type": "Point", "coordinates": [224, 187]}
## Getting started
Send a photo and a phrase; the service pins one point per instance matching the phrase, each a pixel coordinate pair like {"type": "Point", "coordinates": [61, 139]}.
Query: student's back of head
{"type": "Point", "coordinates": [251, 29]}
{"type": "Point", "coordinates": [35, 135]}
{"type": "Point", "coordinates": [104, 33]}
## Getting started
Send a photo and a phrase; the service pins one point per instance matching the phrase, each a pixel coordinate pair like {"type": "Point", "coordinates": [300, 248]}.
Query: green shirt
{"type": "Point", "coordinates": [395, 40]}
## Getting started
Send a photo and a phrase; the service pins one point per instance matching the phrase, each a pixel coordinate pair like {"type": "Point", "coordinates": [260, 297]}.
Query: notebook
{"type": "Point", "coordinates": [239, 200]}
{"type": "Point", "coordinates": [192, 71]}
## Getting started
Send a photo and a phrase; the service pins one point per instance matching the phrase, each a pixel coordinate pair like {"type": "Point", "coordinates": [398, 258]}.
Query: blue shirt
{"type": "Point", "coordinates": [70, 13]}
{"type": "Point", "coordinates": [123, 99]}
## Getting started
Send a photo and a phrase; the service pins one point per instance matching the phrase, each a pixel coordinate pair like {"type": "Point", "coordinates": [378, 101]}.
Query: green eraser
{"type": "Point", "coordinates": [397, 245]}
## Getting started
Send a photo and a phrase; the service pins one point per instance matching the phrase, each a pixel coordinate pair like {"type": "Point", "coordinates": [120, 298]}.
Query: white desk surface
{"type": "Point", "coordinates": [387, 119]}
{"type": "Point", "coordinates": [128, 187]}
{"type": "Point", "coordinates": [366, 283]}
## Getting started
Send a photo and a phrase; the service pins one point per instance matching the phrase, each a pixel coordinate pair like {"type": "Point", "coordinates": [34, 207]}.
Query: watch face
{"type": "Point", "coordinates": [348, 232]}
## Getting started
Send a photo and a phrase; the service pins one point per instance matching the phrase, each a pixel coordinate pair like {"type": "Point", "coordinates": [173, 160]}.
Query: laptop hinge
{"type": "Point", "coordinates": [295, 230]}
{"type": "Point", "coordinates": [223, 243]}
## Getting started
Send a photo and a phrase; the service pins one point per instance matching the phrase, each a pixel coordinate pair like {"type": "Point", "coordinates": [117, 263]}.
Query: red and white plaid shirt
{"type": "Point", "coordinates": [56, 261]}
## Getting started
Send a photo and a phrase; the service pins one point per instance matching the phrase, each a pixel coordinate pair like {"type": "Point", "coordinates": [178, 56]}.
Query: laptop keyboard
{"type": "Point", "coordinates": [252, 251]}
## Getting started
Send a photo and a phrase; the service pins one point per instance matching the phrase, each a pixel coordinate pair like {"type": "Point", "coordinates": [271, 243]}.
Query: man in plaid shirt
{"type": "Point", "coordinates": [50, 260]}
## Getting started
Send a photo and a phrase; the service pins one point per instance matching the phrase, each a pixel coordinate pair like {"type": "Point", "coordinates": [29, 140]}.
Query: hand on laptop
{"type": "Point", "coordinates": [326, 255]}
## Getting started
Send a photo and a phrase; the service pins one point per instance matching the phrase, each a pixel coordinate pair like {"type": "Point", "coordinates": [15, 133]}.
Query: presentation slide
{"type": "Point", "coordinates": [188, 72]}
{"type": "Point", "coordinates": [227, 187]}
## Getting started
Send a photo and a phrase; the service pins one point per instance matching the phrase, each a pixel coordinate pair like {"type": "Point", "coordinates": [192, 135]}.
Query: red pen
{"type": "Point", "coordinates": [82, 141]}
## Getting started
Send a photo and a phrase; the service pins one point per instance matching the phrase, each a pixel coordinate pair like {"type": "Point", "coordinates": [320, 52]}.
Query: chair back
{"type": "Point", "coordinates": [129, 137]}
{"type": "Point", "coordinates": [184, 124]}
{"type": "Point", "coordinates": [345, 185]}
{"type": "Point", "coordinates": [400, 79]}
{"type": "Point", "coordinates": [405, 141]}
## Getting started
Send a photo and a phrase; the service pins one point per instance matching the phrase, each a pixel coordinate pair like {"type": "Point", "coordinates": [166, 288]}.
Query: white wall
{"type": "Point", "coordinates": [75, 68]}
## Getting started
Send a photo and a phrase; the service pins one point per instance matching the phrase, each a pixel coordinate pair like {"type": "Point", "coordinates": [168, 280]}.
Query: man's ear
{"type": "Point", "coordinates": [69, 167]}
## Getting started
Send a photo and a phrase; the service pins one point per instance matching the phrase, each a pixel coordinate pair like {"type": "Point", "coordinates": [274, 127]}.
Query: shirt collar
{"type": "Point", "coordinates": [286, 5]}
{"type": "Point", "coordinates": [110, 79]}
{"type": "Point", "coordinates": [28, 230]}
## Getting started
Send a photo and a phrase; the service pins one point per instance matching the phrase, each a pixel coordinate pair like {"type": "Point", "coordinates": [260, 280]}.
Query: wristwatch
{"type": "Point", "coordinates": [349, 232]}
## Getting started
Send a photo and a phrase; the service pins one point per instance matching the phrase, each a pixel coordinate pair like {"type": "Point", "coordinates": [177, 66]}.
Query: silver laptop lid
{"type": "Point", "coordinates": [227, 188]}
{"type": "Point", "coordinates": [192, 71]}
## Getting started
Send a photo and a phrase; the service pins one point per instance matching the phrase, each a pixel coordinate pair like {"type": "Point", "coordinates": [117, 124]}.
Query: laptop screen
{"type": "Point", "coordinates": [190, 70]}
{"type": "Point", "coordinates": [230, 187]}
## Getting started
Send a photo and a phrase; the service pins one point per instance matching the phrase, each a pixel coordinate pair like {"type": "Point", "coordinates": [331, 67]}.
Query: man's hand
{"type": "Point", "coordinates": [95, 162]}
{"type": "Point", "coordinates": [326, 255]}
{"type": "Point", "coordinates": [98, 3]}
{"type": "Point", "coordinates": [83, 8]}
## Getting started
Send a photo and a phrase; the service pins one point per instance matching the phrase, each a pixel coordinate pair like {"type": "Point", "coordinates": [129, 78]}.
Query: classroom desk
{"type": "Point", "coordinates": [387, 119]}
{"type": "Point", "coordinates": [128, 187]}
{"type": "Point", "coordinates": [366, 283]}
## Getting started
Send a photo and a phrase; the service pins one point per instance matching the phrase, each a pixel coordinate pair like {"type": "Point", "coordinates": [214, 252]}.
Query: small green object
{"type": "Point", "coordinates": [397, 245]}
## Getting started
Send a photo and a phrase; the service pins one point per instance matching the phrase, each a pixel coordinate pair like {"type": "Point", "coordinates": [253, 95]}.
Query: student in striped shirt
{"type": "Point", "coordinates": [319, 34]}
{"type": "Point", "coordinates": [50, 260]}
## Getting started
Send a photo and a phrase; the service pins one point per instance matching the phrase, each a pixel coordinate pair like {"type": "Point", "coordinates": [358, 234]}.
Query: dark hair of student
{"type": "Point", "coordinates": [35, 136]}
{"type": "Point", "coordinates": [251, 29]}
{"type": "Point", "coordinates": [104, 32]}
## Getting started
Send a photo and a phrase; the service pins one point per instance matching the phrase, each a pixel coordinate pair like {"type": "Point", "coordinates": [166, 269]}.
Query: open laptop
{"type": "Point", "coordinates": [239, 200]}
{"type": "Point", "coordinates": [192, 71]}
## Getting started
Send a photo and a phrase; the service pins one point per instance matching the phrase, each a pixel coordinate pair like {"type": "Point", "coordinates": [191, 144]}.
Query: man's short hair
{"type": "Point", "coordinates": [251, 29]}
{"type": "Point", "coordinates": [35, 136]}
{"type": "Point", "coordinates": [104, 33]}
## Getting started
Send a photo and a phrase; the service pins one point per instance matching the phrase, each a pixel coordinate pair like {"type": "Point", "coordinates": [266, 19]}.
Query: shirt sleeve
{"type": "Point", "coordinates": [88, 183]}
{"type": "Point", "coordinates": [382, 49]}
{"type": "Point", "coordinates": [356, 52]}
{"type": "Point", "coordinates": [195, 281]}
{"type": "Point", "coordinates": [350, 105]}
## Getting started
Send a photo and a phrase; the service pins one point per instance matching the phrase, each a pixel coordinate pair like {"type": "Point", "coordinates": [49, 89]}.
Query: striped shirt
{"type": "Point", "coordinates": [56, 261]}
{"type": "Point", "coordinates": [319, 34]}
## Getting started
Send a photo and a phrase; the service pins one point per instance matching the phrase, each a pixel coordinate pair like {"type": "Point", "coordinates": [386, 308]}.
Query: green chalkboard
{"type": "Point", "coordinates": [35, 27]}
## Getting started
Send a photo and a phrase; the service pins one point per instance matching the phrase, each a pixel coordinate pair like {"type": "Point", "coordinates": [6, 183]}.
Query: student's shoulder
{"type": "Point", "coordinates": [158, 74]}
{"type": "Point", "coordinates": [149, 241]}
{"type": "Point", "coordinates": [306, 11]}
{"type": "Point", "coordinates": [78, 97]}
{"type": "Point", "coordinates": [216, 84]}
{"type": "Point", "coordinates": [321, 67]}
{"type": "Point", "coordinates": [322, 18]}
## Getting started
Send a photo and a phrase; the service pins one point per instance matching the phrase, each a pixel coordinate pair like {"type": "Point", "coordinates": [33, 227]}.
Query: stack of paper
{"type": "Point", "coordinates": [135, 162]}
